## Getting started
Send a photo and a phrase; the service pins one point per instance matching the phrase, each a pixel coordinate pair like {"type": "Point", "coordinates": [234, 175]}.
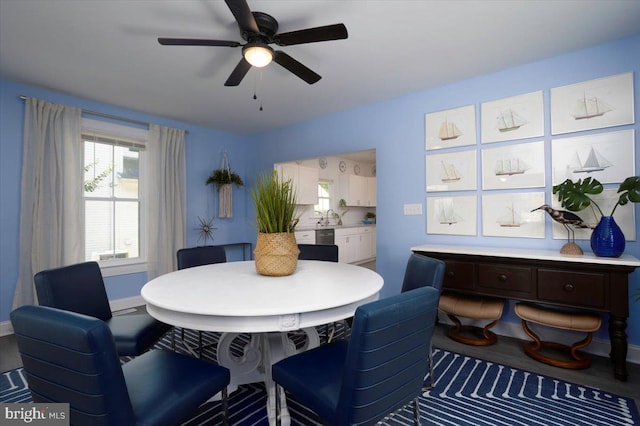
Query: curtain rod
{"type": "Point", "coordinates": [110, 116]}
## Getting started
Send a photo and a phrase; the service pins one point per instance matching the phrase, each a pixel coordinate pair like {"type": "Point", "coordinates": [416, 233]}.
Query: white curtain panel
{"type": "Point", "coordinates": [166, 213]}
{"type": "Point", "coordinates": [51, 209]}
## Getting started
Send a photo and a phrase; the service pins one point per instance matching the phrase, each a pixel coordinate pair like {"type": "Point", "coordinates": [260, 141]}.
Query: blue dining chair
{"type": "Point", "coordinates": [71, 358]}
{"type": "Point", "coordinates": [326, 252]}
{"type": "Point", "coordinates": [424, 271]}
{"type": "Point", "coordinates": [80, 288]}
{"type": "Point", "coordinates": [199, 256]}
{"type": "Point", "coordinates": [323, 252]}
{"type": "Point", "coordinates": [380, 369]}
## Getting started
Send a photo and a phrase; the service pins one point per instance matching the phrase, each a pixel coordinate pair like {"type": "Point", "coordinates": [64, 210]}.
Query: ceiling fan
{"type": "Point", "coordinates": [259, 30]}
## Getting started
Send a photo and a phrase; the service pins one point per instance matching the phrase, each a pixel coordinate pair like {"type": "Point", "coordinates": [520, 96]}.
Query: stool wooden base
{"type": "Point", "coordinates": [579, 360]}
{"type": "Point", "coordinates": [477, 308]}
{"type": "Point", "coordinates": [574, 321]}
{"type": "Point", "coordinates": [460, 333]}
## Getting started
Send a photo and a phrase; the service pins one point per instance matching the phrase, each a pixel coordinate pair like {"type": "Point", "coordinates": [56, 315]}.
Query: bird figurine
{"type": "Point", "coordinates": [570, 221]}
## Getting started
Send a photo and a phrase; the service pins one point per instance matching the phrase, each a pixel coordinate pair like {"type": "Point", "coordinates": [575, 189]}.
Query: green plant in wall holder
{"type": "Point", "coordinates": [224, 180]}
{"type": "Point", "coordinates": [276, 251]}
{"type": "Point", "coordinates": [607, 239]}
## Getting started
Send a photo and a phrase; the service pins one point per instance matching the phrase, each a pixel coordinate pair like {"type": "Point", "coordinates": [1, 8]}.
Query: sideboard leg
{"type": "Point", "coordinates": [618, 337]}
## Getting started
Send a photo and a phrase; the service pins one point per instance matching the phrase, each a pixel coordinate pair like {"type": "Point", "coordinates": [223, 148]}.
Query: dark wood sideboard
{"type": "Point", "coordinates": [545, 276]}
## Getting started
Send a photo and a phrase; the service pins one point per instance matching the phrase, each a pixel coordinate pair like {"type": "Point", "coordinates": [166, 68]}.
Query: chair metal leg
{"type": "Point", "coordinates": [432, 381]}
{"type": "Point", "coordinates": [225, 407]}
{"type": "Point", "coordinates": [416, 411]}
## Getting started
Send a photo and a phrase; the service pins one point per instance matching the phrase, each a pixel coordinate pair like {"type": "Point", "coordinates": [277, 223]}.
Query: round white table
{"type": "Point", "coordinates": [233, 298]}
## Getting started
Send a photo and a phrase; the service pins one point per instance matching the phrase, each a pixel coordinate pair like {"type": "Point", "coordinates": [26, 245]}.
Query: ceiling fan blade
{"type": "Point", "coordinates": [238, 73]}
{"type": "Point", "coordinates": [196, 42]}
{"type": "Point", "coordinates": [295, 67]}
{"type": "Point", "coordinates": [312, 35]}
{"type": "Point", "coordinates": [244, 17]}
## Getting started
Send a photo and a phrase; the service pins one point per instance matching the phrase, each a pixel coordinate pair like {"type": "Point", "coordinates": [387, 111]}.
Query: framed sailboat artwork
{"type": "Point", "coordinates": [451, 128]}
{"type": "Point", "coordinates": [594, 104]}
{"type": "Point", "coordinates": [510, 215]}
{"type": "Point", "coordinates": [514, 166]}
{"type": "Point", "coordinates": [516, 117]}
{"type": "Point", "coordinates": [455, 171]}
{"type": "Point", "coordinates": [609, 157]}
{"type": "Point", "coordinates": [455, 215]}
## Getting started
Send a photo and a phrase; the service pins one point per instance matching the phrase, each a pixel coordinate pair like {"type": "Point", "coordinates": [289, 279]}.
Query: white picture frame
{"type": "Point", "coordinates": [516, 117]}
{"type": "Point", "coordinates": [514, 166]}
{"type": "Point", "coordinates": [450, 128]}
{"type": "Point", "coordinates": [452, 215]}
{"type": "Point", "coordinates": [593, 104]}
{"type": "Point", "coordinates": [455, 171]}
{"type": "Point", "coordinates": [624, 216]}
{"type": "Point", "coordinates": [511, 215]}
{"type": "Point", "coordinates": [608, 157]}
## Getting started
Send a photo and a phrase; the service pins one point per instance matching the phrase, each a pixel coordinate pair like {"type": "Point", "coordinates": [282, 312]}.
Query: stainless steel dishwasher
{"type": "Point", "coordinates": [325, 236]}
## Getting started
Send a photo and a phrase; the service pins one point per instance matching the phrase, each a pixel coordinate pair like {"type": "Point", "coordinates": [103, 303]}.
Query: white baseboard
{"type": "Point", "coordinates": [598, 347]}
{"type": "Point", "coordinates": [116, 305]}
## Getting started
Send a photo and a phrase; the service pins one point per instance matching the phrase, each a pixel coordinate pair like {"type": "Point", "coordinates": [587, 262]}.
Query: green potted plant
{"type": "Point", "coordinates": [369, 218]}
{"type": "Point", "coordinates": [607, 239]}
{"type": "Point", "coordinates": [224, 179]}
{"type": "Point", "coordinates": [276, 251]}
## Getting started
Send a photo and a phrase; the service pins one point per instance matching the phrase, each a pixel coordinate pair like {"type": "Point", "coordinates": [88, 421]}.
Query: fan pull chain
{"type": "Point", "coordinates": [260, 109]}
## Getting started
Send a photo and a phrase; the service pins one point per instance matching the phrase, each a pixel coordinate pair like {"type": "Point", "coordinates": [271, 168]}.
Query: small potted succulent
{"type": "Point", "coordinates": [607, 239]}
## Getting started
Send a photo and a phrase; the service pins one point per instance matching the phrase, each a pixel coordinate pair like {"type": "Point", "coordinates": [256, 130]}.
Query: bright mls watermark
{"type": "Point", "coordinates": [34, 414]}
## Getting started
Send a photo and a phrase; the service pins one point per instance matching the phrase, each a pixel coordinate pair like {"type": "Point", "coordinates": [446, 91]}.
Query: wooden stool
{"type": "Point", "coordinates": [574, 321]}
{"type": "Point", "coordinates": [480, 308]}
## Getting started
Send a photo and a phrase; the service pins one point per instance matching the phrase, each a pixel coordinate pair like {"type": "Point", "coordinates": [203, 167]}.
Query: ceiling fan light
{"type": "Point", "coordinates": [258, 55]}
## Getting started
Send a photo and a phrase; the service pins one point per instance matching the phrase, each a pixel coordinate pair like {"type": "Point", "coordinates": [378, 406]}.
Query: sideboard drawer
{"type": "Point", "coordinates": [576, 288]}
{"type": "Point", "coordinates": [459, 275]}
{"type": "Point", "coordinates": [508, 281]}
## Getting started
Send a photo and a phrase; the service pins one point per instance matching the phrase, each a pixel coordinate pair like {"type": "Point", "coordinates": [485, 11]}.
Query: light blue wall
{"type": "Point", "coordinates": [395, 128]}
{"type": "Point", "coordinates": [203, 152]}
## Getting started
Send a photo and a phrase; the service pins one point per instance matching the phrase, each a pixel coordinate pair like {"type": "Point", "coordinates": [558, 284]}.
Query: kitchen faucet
{"type": "Point", "coordinates": [327, 219]}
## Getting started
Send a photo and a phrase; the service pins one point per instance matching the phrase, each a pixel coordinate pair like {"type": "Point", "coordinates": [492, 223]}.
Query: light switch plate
{"type": "Point", "coordinates": [412, 209]}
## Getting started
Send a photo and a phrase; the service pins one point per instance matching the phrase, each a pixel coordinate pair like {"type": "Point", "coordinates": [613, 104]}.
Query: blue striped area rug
{"type": "Point", "coordinates": [468, 391]}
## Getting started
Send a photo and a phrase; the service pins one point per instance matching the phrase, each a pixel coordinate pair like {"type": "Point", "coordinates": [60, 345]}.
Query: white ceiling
{"type": "Point", "coordinates": [106, 50]}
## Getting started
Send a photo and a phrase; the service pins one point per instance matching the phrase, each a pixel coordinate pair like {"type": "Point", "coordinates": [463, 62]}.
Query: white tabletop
{"type": "Point", "coordinates": [233, 297]}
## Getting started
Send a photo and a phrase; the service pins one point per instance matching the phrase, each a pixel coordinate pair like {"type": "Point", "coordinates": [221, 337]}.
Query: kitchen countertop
{"type": "Point", "coordinates": [354, 225]}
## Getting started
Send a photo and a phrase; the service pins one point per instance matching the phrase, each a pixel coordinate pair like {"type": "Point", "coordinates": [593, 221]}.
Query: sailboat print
{"type": "Point", "coordinates": [510, 166]}
{"type": "Point", "coordinates": [594, 162]}
{"type": "Point", "coordinates": [590, 107]}
{"type": "Point", "coordinates": [509, 120]}
{"type": "Point", "coordinates": [448, 131]}
{"type": "Point", "coordinates": [510, 220]}
{"type": "Point", "coordinates": [447, 214]}
{"type": "Point", "coordinates": [449, 173]}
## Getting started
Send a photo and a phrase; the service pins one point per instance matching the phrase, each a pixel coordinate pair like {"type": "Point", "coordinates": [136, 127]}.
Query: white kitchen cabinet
{"type": "Point", "coordinates": [355, 244]}
{"type": "Point", "coordinates": [305, 182]}
{"type": "Point", "coordinates": [305, 237]}
{"type": "Point", "coordinates": [358, 190]}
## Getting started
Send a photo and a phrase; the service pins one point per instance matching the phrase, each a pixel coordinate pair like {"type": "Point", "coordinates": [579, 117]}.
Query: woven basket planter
{"type": "Point", "coordinates": [276, 254]}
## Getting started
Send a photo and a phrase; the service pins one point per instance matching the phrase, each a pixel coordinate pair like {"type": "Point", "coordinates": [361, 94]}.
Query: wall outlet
{"type": "Point", "coordinates": [412, 209]}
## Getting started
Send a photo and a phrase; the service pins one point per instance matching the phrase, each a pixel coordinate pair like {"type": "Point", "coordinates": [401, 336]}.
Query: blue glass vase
{"type": "Point", "coordinates": [607, 239]}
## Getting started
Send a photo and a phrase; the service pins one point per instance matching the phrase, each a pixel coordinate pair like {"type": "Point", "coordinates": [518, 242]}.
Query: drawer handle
{"type": "Point", "coordinates": [451, 274]}
{"type": "Point", "coordinates": [502, 278]}
{"type": "Point", "coordinates": [568, 288]}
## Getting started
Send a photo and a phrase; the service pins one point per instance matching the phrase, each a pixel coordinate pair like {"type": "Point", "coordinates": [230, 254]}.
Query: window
{"type": "Point", "coordinates": [324, 196]}
{"type": "Point", "coordinates": [112, 195]}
